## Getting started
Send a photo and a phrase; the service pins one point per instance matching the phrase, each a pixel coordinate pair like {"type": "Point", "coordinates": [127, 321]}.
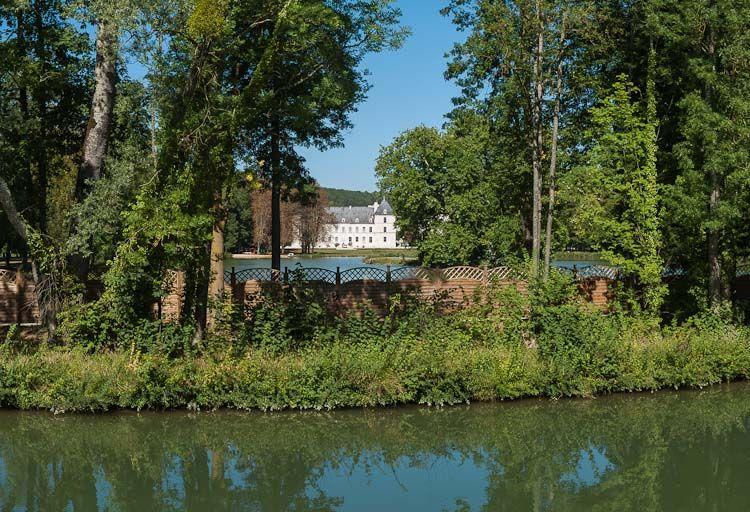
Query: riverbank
{"type": "Point", "coordinates": [410, 254]}
{"type": "Point", "coordinates": [449, 363]}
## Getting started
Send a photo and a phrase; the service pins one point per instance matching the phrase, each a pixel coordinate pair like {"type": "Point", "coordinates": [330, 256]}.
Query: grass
{"type": "Point", "coordinates": [450, 361]}
{"type": "Point", "coordinates": [369, 253]}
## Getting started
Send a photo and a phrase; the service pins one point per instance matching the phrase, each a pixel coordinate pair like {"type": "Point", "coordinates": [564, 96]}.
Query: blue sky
{"type": "Point", "coordinates": [408, 89]}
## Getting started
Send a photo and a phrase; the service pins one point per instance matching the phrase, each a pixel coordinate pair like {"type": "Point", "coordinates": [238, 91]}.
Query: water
{"type": "Point", "coordinates": [328, 263]}
{"type": "Point", "coordinates": [668, 451]}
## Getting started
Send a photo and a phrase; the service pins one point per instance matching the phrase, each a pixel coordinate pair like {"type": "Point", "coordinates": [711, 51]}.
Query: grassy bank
{"type": "Point", "coordinates": [458, 359]}
{"type": "Point", "coordinates": [368, 253]}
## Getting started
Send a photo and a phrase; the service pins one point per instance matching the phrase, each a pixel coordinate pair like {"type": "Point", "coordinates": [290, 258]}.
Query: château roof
{"type": "Point", "coordinates": [352, 214]}
{"type": "Point", "coordinates": [384, 208]}
{"type": "Point", "coordinates": [360, 214]}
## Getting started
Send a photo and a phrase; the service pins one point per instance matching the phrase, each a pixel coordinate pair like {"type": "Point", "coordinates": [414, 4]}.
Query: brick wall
{"type": "Point", "coordinates": [17, 299]}
{"type": "Point", "coordinates": [354, 295]}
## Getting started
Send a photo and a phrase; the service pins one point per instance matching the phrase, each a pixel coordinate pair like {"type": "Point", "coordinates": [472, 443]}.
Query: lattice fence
{"type": "Point", "coordinates": [321, 275]}
{"type": "Point", "coordinates": [7, 276]}
{"type": "Point", "coordinates": [470, 273]}
{"type": "Point", "coordinates": [406, 274]}
{"type": "Point", "coordinates": [253, 274]}
{"type": "Point", "coordinates": [170, 279]}
{"type": "Point", "coordinates": [364, 274]}
{"type": "Point", "coordinates": [594, 271]}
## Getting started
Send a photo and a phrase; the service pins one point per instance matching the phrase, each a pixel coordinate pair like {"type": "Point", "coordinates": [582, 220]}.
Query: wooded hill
{"type": "Point", "coordinates": [342, 197]}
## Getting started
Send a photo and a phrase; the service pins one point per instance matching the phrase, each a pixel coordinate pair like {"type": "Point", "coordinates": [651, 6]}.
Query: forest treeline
{"type": "Point", "coordinates": [115, 180]}
{"type": "Point", "coordinates": [616, 127]}
{"type": "Point", "coordinates": [343, 197]}
{"type": "Point", "coordinates": [619, 127]}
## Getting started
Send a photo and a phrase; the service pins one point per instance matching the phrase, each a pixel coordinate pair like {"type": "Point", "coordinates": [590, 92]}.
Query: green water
{"type": "Point", "coordinates": [668, 451]}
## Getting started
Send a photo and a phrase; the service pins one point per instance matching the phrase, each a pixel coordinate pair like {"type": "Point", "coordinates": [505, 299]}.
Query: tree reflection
{"type": "Point", "coordinates": [667, 451]}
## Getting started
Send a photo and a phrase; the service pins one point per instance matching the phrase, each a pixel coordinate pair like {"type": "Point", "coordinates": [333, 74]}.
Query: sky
{"type": "Point", "coordinates": [408, 89]}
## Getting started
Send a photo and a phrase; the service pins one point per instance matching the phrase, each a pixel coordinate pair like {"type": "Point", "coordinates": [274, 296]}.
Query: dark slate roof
{"type": "Point", "coordinates": [352, 215]}
{"type": "Point", "coordinates": [384, 208]}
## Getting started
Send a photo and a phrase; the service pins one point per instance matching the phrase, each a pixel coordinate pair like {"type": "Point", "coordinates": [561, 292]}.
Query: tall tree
{"type": "Point", "coordinates": [444, 185]}
{"type": "Point", "coordinates": [615, 193]}
{"type": "Point", "coordinates": [528, 63]}
{"type": "Point", "coordinates": [308, 84]}
{"type": "Point", "coordinates": [706, 201]}
{"type": "Point", "coordinates": [43, 87]}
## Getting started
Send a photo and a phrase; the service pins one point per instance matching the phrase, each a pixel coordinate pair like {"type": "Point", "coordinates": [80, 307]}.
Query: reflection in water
{"type": "Point", "coordinates": [671, 451]}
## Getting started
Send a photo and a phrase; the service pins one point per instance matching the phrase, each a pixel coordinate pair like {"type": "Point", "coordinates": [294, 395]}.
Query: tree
{"type": "Point", "coordinates": [261, 207]}
{"type": "Point", "coordinates": [707, 199]}
{"type": "Point", "coordinates": [239, 227]}
{"type": "Point", "coordinates": [529, 64]}
{"type": "Point", "coordinates": [311, 221]}
{"type": "Point", "coordinates": [308, 83]}
{"type": "Point", "coordinates": [43, 87]}
{"type": "Point", "coordinates": [615, 193]}
{"type": "Point", "coordinates": [444, 185]}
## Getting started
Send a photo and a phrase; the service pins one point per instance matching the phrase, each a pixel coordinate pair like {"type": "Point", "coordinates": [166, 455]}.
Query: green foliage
{"type": "Point", "coordinates": [615, 194]}
{"type": "Point", "coordinates": [238, 233]}
{"type": "Point", "coordinates": [441, 185]}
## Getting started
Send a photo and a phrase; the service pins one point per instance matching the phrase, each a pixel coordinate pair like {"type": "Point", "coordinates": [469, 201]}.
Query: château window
{"type": "Point", "coordinates": [385, 239]}
{"type": "Point", "coordinates": [385, 219]}
{"type": "Point", "coordinates": [385, 229]}
{"type": "Point", "coordinates": [370, 229]}
{"type": "Point", "coordinates": [370, 239]}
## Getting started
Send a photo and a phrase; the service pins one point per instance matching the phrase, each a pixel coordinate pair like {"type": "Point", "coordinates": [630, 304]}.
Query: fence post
{"type": "Point", "coordinates": [286, 275]}
{"type": "Point", "coordinates": [388, 281]}
{"type": "Point", "coordinates": [179, 292]}
{"type": "Point", "coordinates": [338, 280]}
{"type": "Point", "coordinates": [233, 284]}
{"type": "Point", "coordinates": [485, 282]}
{"type": "Point", "coordinates": [20, 286]}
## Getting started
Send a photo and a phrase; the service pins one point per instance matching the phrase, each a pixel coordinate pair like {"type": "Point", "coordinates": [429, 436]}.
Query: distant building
{"type": "Point", "coordinates": [360, 227]}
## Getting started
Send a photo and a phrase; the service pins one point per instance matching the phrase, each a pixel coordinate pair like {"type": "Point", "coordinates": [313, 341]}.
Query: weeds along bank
{"type": "Point", "coordinates": [296, 356]}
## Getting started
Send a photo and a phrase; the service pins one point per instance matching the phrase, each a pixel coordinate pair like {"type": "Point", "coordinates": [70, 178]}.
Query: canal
{"type": "Point", "coordinates": [669, 451]}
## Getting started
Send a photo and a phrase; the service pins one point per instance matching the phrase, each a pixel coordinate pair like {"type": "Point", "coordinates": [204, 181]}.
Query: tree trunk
{"type": "Point", "coordinates": [538, 141]}
{"type": "Point", "coordinates": [553, 153]}
{"type": "Point", "coordinates": [9, 207]}
{"type": "Point", "coordinates": [40, 149]}
{"type": "Point", "coordinates": [49, 316]}
{"type": "Point", "coordinates": [715, 285]}
{"type": "Point", "coordinates": [216, 283]}
{"type": "Point", "coordinates": [275, 199]}
{"type": "Point", "coordinates": [102, 105]}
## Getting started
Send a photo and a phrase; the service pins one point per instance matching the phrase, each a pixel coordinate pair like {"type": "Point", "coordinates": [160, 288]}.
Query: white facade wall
{"type": "Point", "coordinates": [373, 232]}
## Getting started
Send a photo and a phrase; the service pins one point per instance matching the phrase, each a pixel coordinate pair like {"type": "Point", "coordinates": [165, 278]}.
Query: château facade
{"type": "Point", "coordinates": [360, 227]}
